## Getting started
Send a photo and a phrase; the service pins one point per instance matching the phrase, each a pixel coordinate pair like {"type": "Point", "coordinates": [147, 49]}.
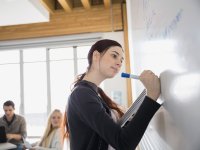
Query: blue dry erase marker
{"type": "Point", "coordinates": [127, 75]}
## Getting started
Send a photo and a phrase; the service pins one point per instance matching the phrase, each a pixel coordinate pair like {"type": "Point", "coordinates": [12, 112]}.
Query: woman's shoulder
{"type": "Point", "coordinates": [58, 130]}
{"type": "Point", "coordinates": [83, 91]}
{"type": "Point", "coordinates": [85, 86]}
{"type": "Point", "coordinates": [58, 133]}
{"type": "Point", "coordinates": [81, 96]}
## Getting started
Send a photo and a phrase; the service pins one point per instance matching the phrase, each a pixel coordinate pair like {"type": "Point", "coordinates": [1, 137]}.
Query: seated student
{"type": "Point", "coordinates": [53, 136]}
{"type": "Point", "coordinates": [15, 125]}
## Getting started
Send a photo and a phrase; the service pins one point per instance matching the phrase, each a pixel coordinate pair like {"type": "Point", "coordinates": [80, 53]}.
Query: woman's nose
{"type": "Point", "coordinates": [119, 63]}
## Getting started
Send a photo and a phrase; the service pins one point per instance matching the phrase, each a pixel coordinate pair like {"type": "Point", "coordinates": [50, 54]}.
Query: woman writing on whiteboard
{"type": "Point", "coordinates": [92, 115]}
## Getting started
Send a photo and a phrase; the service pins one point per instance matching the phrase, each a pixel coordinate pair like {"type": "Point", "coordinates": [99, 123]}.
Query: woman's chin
{"type": "Point", "coordinates": [112, 75]}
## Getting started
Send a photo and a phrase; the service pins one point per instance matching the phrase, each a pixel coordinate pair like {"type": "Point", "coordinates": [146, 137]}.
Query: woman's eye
{"type": "Point", "coordinates": [114, 56]}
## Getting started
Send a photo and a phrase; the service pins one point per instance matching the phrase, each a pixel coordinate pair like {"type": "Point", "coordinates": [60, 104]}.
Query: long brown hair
{"type": "Point", "coordinates": [101, 46]}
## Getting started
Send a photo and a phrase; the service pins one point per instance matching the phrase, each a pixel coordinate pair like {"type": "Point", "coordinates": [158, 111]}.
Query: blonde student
{"type": "Point", "coordinates": [90, 122]}
{"type": "Point", "coordinates": [53, 136]}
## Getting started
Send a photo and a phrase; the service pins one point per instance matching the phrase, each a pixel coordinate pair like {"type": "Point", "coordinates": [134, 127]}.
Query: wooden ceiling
{"type": "Point", "coordinates": [71, 17]}
{"type": "Point", "coordinates": [70, 5]}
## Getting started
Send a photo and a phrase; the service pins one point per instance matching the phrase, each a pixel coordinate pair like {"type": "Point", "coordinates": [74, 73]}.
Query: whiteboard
{"type": "Point", "coordinates": [164, 36]}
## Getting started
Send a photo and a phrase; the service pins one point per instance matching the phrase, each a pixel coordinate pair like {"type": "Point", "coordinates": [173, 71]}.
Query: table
{"type": "Point", "coordinates": [5, 146]}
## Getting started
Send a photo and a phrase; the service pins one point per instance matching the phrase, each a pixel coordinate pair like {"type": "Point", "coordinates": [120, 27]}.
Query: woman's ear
{"type": "Point", "coordinates": [96, 55]}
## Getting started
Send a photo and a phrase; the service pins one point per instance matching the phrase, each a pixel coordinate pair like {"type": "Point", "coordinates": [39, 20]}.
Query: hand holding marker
{"type": "Point", "coordinates": [126, 75]}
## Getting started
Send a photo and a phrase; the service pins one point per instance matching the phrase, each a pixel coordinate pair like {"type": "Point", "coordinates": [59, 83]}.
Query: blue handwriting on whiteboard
{"type": "Point", "coordinates": [168, 29]}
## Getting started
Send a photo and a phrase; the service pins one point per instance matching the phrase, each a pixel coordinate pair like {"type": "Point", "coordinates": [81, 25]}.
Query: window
{"type": "Point", "coordinates": [10, 78]}
{"type": "Point", "coordinates": [61, 74]}
{"type": "Point", "coordinates": [35, 89]}
{"type": "Point", "coordinates": [38, 80]}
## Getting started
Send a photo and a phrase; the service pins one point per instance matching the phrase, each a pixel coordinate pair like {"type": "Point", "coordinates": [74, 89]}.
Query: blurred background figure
{"type": "Point", "coordinates": [53, 137]}
{"type": "Point", "coordinates": [15, 125]}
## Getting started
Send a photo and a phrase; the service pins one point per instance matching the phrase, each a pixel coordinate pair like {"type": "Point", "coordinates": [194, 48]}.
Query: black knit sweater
{"type": "Point", "coordinates": [91, 126]}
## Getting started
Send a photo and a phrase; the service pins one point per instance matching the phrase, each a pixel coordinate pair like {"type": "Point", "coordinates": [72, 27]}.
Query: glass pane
{"type": "Point", "coordinates": [35, 97]}
{"type": "Point", "coordinates": [61, 53]}
{"type": "Point", "coordinates": [10, 85]}
{"type": "Point", "coordinates": [82, 51]}
{"type": "Point", "coordinates": [34, 54]}
{"type": "Point", "coordinates": [9, 57]}
{"type": "Point", "coordinates": [82, 65]}
{"type": "Point", "coordinates": [62, 76]}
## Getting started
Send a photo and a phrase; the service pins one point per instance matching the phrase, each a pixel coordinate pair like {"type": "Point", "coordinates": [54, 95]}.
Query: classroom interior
{"type": "Point", "coordinates": [44, 46]}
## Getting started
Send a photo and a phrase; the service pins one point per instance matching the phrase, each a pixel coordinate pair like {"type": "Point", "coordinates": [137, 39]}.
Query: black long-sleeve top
{"type": "Point", "coordinates": [91, 126]}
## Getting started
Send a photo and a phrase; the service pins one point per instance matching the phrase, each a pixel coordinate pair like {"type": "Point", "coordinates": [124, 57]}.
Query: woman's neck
{"type": "Point", "coordinates": [93, 77]}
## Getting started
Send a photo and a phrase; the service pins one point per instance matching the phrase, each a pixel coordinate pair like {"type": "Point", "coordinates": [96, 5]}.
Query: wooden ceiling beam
{"type": "Point", "coordinates": [66, 4]}
{"type": "Point", "coordinates": [107, 3]}
{"type": "Point", "coordinates": [86, 4]}
{"type": "Point", "coordinates": [49, 5]}
{"type": "Point", "coordinates": [62, 23]}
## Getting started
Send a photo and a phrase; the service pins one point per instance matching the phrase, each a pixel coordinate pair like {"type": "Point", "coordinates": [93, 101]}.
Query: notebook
{"type": "Point", "coordinates": [132, 109]}
{"type": "Point", "coordinates": [3, 138]}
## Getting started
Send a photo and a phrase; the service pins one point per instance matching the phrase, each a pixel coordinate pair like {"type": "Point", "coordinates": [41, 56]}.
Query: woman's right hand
{"type": "Point", "coordinates": [151, 83]}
